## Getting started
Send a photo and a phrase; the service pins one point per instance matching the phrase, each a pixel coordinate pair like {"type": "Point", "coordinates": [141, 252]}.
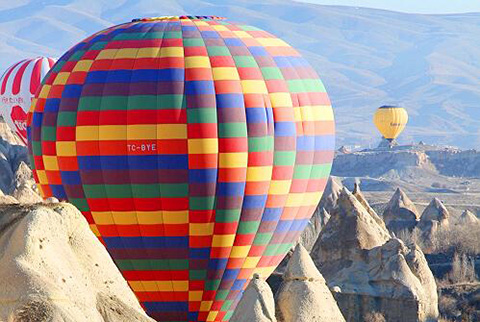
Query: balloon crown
{"type": "Point", "coordinates": [389, 106]}
{"type": "Point", "coordinates": [179, 18]}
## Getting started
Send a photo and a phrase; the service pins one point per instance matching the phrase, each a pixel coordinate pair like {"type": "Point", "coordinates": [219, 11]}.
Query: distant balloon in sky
{"type": "Point", "coordinates": [390, 121]}
{"type": "Point", "coordinates": [17, 87]}
{"type": "Point", "coordinates": [196, 148]}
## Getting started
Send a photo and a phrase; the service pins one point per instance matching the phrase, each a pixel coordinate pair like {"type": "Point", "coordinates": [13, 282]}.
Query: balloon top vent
{"type": "Point", "coordinates": [179, 18]}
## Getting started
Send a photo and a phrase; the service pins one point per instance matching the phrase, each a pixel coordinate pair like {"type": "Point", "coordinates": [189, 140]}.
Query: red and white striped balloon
{"type": "Point", "coordinates": [17, 87]}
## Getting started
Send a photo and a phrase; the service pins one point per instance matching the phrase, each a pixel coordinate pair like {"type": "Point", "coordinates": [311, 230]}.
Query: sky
{"type": "Point", "coordinates": [411, 6]}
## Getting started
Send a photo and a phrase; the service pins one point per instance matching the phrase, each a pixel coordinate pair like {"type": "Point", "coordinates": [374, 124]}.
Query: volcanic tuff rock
{"type": "Point", "coordinates": [6, 199]}
{"type": "Point", "coordinates": [25, 187]}
{"type": "Point", "coordinates": [16, 179]}
{"type": "Point", "coordinates": [392, 279]}
{"type": "Point", "coordinates": [435, 216]}
{"type": "Point", "coordinates": [9, 136]}
{"type": "Point", "coordinates": [429, 162]}
{"type": "Point", "coordinates": [467, 217]}
{"type": "Point", "coordinates": [368, 271]}
{"type": "Point", "coordinates": [343, 149]}
{"type": "Point", "coordinates": [53, 268]}
{"type": "Point", "coordinates": [303, 295]}
{"type": "Point", "coordinates": [330, 195]}
{"type": "Point", "coordinates": [452, 162]}
{"type": "Point", "coordinates": [350, 230]}
{"type": "Point", "coordinates": [377, 163]}
{"type": "Point", "coordinates": [12, 153]}
{"type": "Point", "coordinates": [361, 198]}
{"type": "Point", "coordinates": [436, 211]}
{"type": "Point", "coordinates": [400, 213]}
{"type": "Point", "coordinates": [257, 303]}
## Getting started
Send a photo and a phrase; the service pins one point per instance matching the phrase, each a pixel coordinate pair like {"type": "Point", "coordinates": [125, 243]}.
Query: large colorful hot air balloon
{"type": "Point", "coordinates": [197, 149]}
{"type": "Point", "coordinates": [390, 121]}
{"type": "Point", "coordinates": [18, 86]}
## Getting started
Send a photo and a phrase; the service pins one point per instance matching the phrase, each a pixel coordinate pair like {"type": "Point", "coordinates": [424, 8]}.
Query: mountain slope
{"type": "Point", "coordinates": [366, 57]}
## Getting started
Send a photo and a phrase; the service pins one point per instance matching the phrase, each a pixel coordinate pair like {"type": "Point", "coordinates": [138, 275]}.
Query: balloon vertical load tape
{"type": "Point", "coordinates": [197, 149]}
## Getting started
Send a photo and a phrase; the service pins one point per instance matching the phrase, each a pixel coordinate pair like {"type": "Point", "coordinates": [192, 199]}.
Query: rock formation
{"type": "Point", "coordinates": [257, 303]}
{"type": "Point", "coordinates": [25, 190]}
{"type": "Point", "coordinates": [467, 218]}
{"type": "Point", "coordinates": [434, 217]}
{"type": "Point", "coordinates": [303, 295]}
{"type": "Point", "coordinates": [53, 268]}
{"type": "Point", "coordinates": [453, 162]}
{"type": "Point", "coordinates": [400, 213]}
{"type": "Point", "coordinates": [343, 150]}
{"type": "Point", "coordinates": [12, 153]}
{"type": "Point", "coordinates": [368, 271]}
{"type": "Point", "coordinates": [330, 195]}
{"type": "Point", "coordinates": [361, 198]}
{"type": "Point", "coordinates": [375, 164]}
{"type": "Point", "coordinates": [350, 230]}
{"type": "Point", "coordinates": [436, 211]}
{"type": "Point", "coordinates": [411, 162]}
{"type": "Point", "coordinates": [8, 135]}
{"type": "Point", "coordinates": [6, 199]}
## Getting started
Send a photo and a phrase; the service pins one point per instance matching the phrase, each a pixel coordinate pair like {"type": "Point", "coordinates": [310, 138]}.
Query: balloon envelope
{"type": "Point", "coordinates": [390, 121]}
{"type": "Point", "coordinates": [17, 87]}
{"type": "Point", "coordinates": [197, 149]}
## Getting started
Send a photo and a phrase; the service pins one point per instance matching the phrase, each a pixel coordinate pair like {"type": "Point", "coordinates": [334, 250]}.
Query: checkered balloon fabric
{"type": "Point", "coordinates": [197, 150]}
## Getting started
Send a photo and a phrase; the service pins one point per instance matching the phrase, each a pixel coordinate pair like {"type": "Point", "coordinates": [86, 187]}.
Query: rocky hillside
{"type": "Point", "coordinates": [414, 168]}
{"type": "Point", "coordinates": [376, 164]}
{"type": "Point", "coordinates": [366, 57]}
{"type": "Point", "coordinates": [456, 163]}
{"type": "Point", "coordinates": [16, 179]}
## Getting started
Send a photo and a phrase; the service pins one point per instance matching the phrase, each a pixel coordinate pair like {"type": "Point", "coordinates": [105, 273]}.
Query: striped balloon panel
{"type": "Point", "coordinates": [197, 150]}
{"type": "Point", "coordinates": [18, 85]}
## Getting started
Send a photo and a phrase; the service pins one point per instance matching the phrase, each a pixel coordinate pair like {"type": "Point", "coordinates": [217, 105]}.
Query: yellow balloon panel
{"type": "Point", "coordinates": [390, 121]}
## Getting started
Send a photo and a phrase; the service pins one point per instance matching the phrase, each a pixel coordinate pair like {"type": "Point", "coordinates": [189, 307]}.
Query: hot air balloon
{"type": "Point", "coordinates": [18, 86]}
{"type": "Point", "coordinates": [197, 149]}
{"type": "Point", "coordinates": [390, 121]}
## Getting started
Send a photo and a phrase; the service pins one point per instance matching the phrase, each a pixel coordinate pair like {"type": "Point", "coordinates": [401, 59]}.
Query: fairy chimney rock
{"type": "Point", "coordinates": [303, 295]}
{"type": "Point", "coordinates": [400, 213]}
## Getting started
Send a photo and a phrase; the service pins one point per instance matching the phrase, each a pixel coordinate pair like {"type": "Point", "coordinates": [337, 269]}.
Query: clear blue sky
{"type": "Point", "coordinates": [412, 6]}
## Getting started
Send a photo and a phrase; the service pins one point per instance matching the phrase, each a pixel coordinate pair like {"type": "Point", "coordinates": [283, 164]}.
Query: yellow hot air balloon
{"type": "Point", "coordinates": [390, 121]}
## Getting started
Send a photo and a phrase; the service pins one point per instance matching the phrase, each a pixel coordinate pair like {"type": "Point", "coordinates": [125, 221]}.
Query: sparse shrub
{"type": "Point", "coordinates": [447, 305]}
{"type": "Point", "coordinates": [463, 270]}
{"type": "Point", "coordinates": [412, 237]}
{"type": "Point", "coordinates": [459, 238]}
{"type": "Point", "coordinates": [463, 239]}
{"type": "Point", "coordinates": [374, 317]}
